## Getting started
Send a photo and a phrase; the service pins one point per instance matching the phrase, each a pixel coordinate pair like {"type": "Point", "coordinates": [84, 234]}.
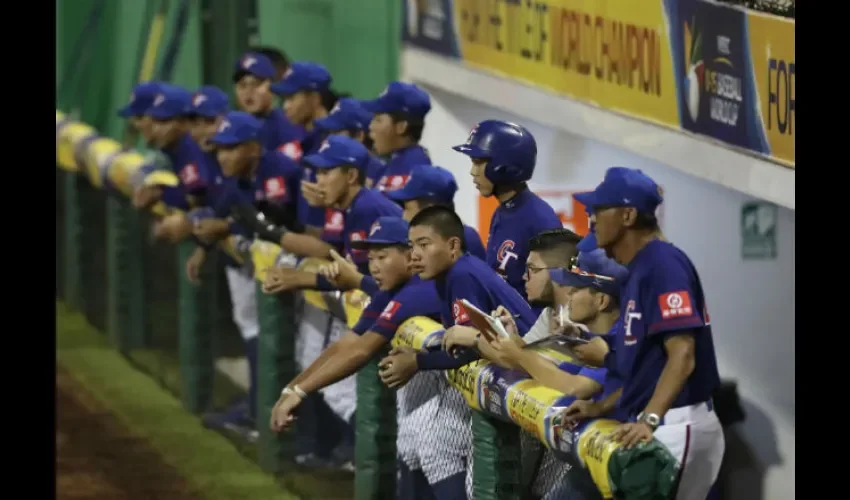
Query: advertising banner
{"type": "Point", "coordinates": [708, 68]}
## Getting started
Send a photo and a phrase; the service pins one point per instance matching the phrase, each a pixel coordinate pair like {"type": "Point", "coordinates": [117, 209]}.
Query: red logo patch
{"type": "Point", "coordinates": [189, 174]}
{"type": "Point", "coordinates": [334, 220]}
{"type": "Point", "coordinates": [390, 310]}
{"type": "Point", "coordinates": [275, 187]}
{"type": "Point", "coordinates": [292, 150]}
{"type": "Point", "coordinates": [459, 313]}
{"type": "Point", "coordinates": [392, 182]}
{"type": "Point", "coordinates": [675, 304]}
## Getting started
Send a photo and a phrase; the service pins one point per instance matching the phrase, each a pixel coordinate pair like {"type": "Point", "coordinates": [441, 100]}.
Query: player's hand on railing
{"type": "Point", "coordinates": [211, 230]}
{"type": "Point", "coordinates": [581, 409]}
{"type": "Point", "coordinates": [313, 194]}
{"type": "Point", "coordinates": [460, 336]}
{"type": "Point", "coordinates": [173, 228]}
{"type": "Point", "coordinates": [342, 272]}
{"type": "Point", "coordinates": [396, 369]}
{"type": "Point", "coordinates": [280, 279]}
{"type": "Point", "coordinates": [145, 196]}
{"type": "Point", "coordinates": [194, 265]}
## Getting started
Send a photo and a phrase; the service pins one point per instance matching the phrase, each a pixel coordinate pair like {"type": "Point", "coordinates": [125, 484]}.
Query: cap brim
{"type": "Point", "coordinates": [161, 114]}
{"type": "Point", "coordinates": [319, 161]}
{"type": "Point", "coordinates": [471, 151]}
{"type": "Point", "coordinates": [331, 123]}
{"type": "Point", "coordinates": [402, 194]}
{"type": "Point", "coordinates": [126, 112]}
{"type": "Point", "coordinates": [283, 88]}
{"type": "Point", "coordinates": [367, 243]}
{"type": "Point", "coordinates": [208, 113]}
{"type": "Point", "coordinates": [588, 243]}
{"type": "Point", "coordinates": [241, 72]}
{"type": "Point", "coordinates": [376, 106]}
{"type": "Point", "coordinates": [225, 140]}
{"type": "Point", "coordinates": [587, 199]}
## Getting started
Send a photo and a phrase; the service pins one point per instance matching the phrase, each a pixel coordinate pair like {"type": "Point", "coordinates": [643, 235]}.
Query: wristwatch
{"type": "Point", "coordinates": [650, 419]}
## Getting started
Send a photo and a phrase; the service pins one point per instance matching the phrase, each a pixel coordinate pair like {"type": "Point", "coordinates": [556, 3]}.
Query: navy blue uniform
{"type": "Point", "coordinates": [189, 163]}
{"type": "Point", "coordinates": [397, 169]}
{"type": "Point", "coordinates": [366, 207]}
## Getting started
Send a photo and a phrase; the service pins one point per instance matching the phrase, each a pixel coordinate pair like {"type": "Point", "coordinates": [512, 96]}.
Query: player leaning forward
{"type": "Point", "coordinates": [664, 353]}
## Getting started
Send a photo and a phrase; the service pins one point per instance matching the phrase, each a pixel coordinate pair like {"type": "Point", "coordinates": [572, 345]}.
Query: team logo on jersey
{"type": "Point", "coordinates": [275, 187]}
{"type": "Point", "coordinates": [375, 228]}
{"type": "Point", "coordinates": [334, 220]}
{"type": "Point", "coordinates": [390, 310]}
{"type": "Point", "coordinates": [675, 304]}
{"type": "Point", "coordinates": [505, 253]}
{"type": "Point", "coordinates": [198, 99]}
{"type": "Point", "coordinates": [631, 315]}
{"type": "Point", "coordinates": [248, 61]}
{"type": "Point", "coordinates": [189, 174]}
{"type": "Point", "coordinates": [459, 313]}
{"type": "Point", "coordinates": [292, 150]}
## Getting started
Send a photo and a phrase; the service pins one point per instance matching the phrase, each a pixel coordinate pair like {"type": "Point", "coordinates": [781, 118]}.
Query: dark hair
{"type": "Point", "coordinates": [277, 57]}
{"type": "Point", "coordinates": [443, 220]}
{"type": "Point", "coordinates": [613, 300]}
{"type": "Point", "coordinates": [557, 247]}
{"type": "Point", "coordinates": [646, 221]}
{"type": "Point", "coordinates": [430, 202]}
{"type": "Point", "coordinates": [415, 125]}
{"type": "Point", "coordinates": [361, 173]}
{"type": "Point", "coordinates": [330, 97]}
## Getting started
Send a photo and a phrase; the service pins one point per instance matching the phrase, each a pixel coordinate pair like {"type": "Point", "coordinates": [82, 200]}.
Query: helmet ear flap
{"type": "Point", "coordinates": [504, 173]}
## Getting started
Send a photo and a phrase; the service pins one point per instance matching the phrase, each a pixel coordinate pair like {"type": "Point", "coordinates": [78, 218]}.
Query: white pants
{"type": "Point", "coordinates": [694, 436]}
{"type": "Point", "coordinates": [318, 329]}
{"type": "Point", "coordinates": [446, 443]}
{"type": "Point", "coordinates": [243, 296]}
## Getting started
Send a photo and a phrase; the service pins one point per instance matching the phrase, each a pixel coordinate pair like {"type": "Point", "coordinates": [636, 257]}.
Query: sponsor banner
{"type": "Point", "coordinates": [711, 69]}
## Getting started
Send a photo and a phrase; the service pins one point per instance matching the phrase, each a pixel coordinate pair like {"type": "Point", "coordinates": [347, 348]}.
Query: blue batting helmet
{"type": "Point", "coordinates": [510, 149]}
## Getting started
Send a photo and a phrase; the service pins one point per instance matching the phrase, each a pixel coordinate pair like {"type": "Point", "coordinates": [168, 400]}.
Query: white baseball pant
{"type": "Point", "coordinates": [416, 406]}
{"type": "Point", "coordinates": [694, 436]}
{"type": "Point", "coordinates": [446, 444]}
{"type": "Point", "coordinates": [243, 297]}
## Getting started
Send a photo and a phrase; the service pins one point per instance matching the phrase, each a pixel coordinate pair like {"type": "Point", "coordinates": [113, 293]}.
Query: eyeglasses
{"type": "Point", "coordinates": [529, 270]}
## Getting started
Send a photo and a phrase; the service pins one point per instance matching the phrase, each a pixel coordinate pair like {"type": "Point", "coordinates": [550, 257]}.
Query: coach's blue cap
{"type": "Point", "coordinates": [347, 114]}
{"type": "Point", "coordinates": [400, 97]}
{"type": "Point", "coordinates": [236, 128]}
{"type": "Point", "coordinates": [255, 64]}
{"type": "Point", "coordinates": [209, 101]}
{"type": "Point", "coordinates": [594, 270]}
{"type": "Point", "coordinates": [170, 102]}
{"type": "Point", "coordinates": [140, 99]}
{"type": "Point", "coordinates": [385, 231]}
{"type": "Point", "coordinates": [427, 181]}
{"type": "Point", "coordinates": [623, 187]}
{"type": "Point", "coordinates": [303, 76]}
{"type": "Point", "coordinates": [338, 150]}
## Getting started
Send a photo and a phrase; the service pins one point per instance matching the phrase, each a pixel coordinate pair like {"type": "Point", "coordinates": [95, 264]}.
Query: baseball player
{"type": "Point", "coordinates": [140, 100]}
{"type": "Point", "coordinates": [503, 158]}
{"type": "Point", "coordinates": [436, 235]}
{"type": "Point", "coordinates": [664, 353]}
{"type": "Point", "coordinates": [253, 75]}
{"type": "Point", "coordinates": [340, 166]}
{"type": "Point", "coordinates": [348, 118]}
{"type": "Point", "coordinates": [396, 130]}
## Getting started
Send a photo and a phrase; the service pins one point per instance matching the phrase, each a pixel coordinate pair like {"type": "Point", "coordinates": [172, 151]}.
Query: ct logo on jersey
{"type": "Point", "coordinates": [505, 254]}
{"type": "Point", "coordinates": [631, 315]}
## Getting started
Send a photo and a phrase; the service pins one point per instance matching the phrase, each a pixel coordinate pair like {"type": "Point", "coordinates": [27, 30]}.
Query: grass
{"type": "Point", "coordinates": [207, 460]}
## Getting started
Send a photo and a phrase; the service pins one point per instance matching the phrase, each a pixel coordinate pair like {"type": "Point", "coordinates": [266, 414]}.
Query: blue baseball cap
{"type": "Point", "coordinates": [346, 114]}
{"type": "Point", "coordinates": [338, 150]}
{"type": "Point", "coordinates": [400, 97]}
{"type": "Point", "coordinates": [255, 64]}
{"type": "Point", "coordinates": [594, 270]}
{"type": "Point", "coordinates": [623, 187]}
{"type": "Point", "coordinates": [170, 102]}
{"type": "Point", "coordinates": [209, 101]}
{"type": "Point", "coordinates": [236, 128]}
{"type": "Point", "coordinates": [427, 181]}
{"type": "Point", "coordinates": [303, 76]}
{"type": "Point", "coordinates": [140, 99]}
{"type": "Point", "coordinates": [385, 231]}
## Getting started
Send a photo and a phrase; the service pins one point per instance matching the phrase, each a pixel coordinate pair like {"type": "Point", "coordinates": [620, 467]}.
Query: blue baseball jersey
{"type": "Point", "coordinates": [216, 192]}
{"type": "Point", "coordinates": [470, 278]}
{"type": "Point", "coordinates": [473, 242]}
{"type": "Point", "coordinates": [397, 169]}
{"type": "Point", "coordinates": [513, 225]}
{"type": "Point", "coordinates": [279, 134]}
{"type": "Point", "coordinates": [366, 207]}
{"type": "Point", "coordinates": [189, 163]}
{"type": "Point", "coordinates": [275, 182]}
{"type": "Point", "coordinates": [663, 296]}
{"type": "Point", "coordinates": [375, 169]}
{"type": "Point", "coordinates": [389, 309]}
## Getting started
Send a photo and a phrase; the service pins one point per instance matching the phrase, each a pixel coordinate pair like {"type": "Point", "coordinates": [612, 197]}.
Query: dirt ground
{"type": "Point", "coordinates": [97, 457]}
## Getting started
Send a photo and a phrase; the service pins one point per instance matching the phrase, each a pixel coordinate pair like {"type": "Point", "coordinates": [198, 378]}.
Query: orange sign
{"type": "Point", "coordinates": [570, 211]}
